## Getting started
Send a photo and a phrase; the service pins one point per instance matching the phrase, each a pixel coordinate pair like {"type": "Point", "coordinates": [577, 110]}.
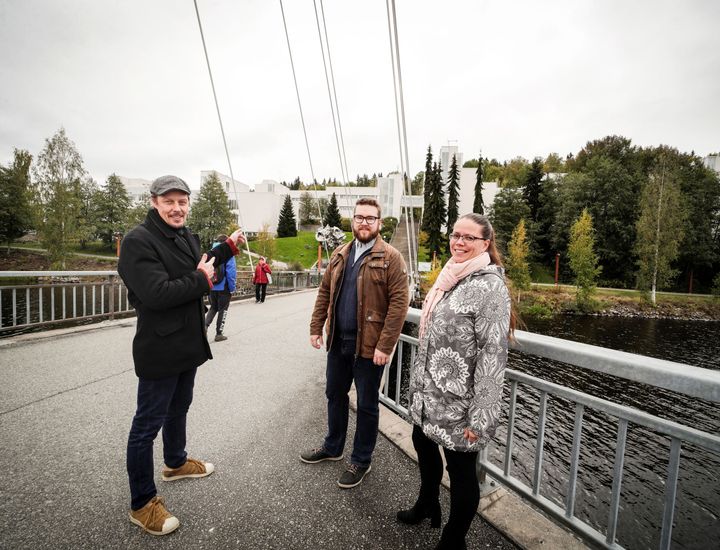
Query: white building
{"type": "Point", "coordinates": [467, 191]}
{"type": "Point", "coordinates": [712, 162]}
{"type": "Point", "coordinates": [261, 207]}
{"type": "Point", "coordinates": [445, 158]}
{"type": "Point", "coordinates": [137, 188]}
{"type": "Point", "coordinates": [227, 182]}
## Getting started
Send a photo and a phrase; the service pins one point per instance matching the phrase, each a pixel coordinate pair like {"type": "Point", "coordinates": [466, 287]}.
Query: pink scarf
{"type": "Point", "coordinates": [452, 273]}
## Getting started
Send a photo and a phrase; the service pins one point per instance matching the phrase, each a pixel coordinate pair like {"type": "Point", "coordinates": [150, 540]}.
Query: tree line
{"type": "Point", "coordinates": [653, 212]}
{"type": "Point", "coordinates": [55, 196]}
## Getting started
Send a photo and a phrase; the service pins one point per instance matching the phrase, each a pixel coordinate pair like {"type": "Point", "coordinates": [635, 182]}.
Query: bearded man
{"type": "Point", "coordinates": [362, 303]}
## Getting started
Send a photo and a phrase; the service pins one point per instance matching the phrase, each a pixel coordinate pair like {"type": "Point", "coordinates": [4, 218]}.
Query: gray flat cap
{"type": "Point", "coordinates": [168, 183]}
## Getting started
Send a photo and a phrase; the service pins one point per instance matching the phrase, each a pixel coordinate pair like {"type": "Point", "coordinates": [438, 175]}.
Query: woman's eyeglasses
{"type": "Point", "coordinates": [370, 220]}
{"type": "Point", "coordinates": [466, 238]}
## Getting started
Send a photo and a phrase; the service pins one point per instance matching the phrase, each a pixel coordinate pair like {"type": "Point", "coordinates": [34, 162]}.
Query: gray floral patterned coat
{"type": "Point", "coordinates": [457, 379]}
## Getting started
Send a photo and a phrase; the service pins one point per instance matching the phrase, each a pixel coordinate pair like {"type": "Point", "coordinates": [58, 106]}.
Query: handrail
{"type": "Point", "coordinates": [677, 377]}
{"type": "Point", "coordinates": [669, 375]}
{"type": "Point", "coordinates": [62, 297]}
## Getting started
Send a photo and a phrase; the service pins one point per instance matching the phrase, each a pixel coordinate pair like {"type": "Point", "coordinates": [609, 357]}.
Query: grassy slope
{"type": "Point", "coordinates": [303, 248]}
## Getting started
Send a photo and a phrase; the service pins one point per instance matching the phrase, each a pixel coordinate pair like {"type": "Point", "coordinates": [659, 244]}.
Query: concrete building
{"type": "Point", "coordinates": [137, 188]}
{"type": "Point", "coordinates": [445, 158]}
{"type": "Point", "coordinates": [712, 162]}
{"type": "Point", "coordinates": [261, 207]}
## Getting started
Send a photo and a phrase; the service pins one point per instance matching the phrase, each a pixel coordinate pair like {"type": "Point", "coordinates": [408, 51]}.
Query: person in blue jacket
{"type": "Point", "coordinates": [220, 293]}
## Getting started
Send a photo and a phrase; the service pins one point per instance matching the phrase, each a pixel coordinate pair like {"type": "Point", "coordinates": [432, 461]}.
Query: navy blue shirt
{"type": "Point", "coordinates": [346, 305]}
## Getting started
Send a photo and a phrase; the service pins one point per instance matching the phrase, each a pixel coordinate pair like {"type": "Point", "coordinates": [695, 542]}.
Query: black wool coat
{"type": "Point", "coordinates": [159, 268]}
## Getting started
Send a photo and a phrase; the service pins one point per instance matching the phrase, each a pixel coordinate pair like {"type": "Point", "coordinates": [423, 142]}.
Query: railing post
{"type": "Point", "coordinates": [487, 484]}
{"type": "Point", "coordinates": [295, 280]}
{"type": "Point", "coordinates": [111, 296]}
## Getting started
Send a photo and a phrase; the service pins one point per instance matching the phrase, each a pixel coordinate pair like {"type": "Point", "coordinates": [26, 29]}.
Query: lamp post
{"type": "Point", "coordinates": [557, 268]}
{"type": "Point", "coordinates": [118, 238]}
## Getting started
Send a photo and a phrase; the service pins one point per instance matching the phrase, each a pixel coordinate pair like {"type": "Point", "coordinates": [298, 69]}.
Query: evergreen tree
{"type": "Point", "coordinates": [435, 212]}
{"type": "Point", "coordinates": [453, 197]}
{"type": "Point", "coordinates": [478, 202]}
{"type": "Point", "coordinates": [583, 260]}
{"type": "Point", "coordinates": [533, 187]}
{"type": "Point", "coordinates": [138, 211]}
{"type": "Point", "coordinates": [332, 213]}
{"type": "Point", "coordinates": [518, 268]}
{"type": "Point", "coordinates": [287, 227]}
{"type": "Point", "coordinates": [505, 214]}
{"type": "Point", "coordinates": [112, 206]}
{"type": "Point", "coordinates": [427, 188]}
{"type": "Point", "coordinates": [58, 174]}
{"type": "Point", "coordinates": [210, 214]}
{"type": "Point", "coordinates": [15, 209]}
{"type": "Point", "coordinates": [659, 228]}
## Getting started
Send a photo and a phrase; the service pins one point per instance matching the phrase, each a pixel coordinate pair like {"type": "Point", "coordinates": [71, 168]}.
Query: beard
{"type": "Point", "coordinates": [367, 235]}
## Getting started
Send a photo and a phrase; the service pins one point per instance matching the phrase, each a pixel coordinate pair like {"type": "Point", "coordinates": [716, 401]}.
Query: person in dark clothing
{"type": "Point", "coordinates": [167, 278]}
{"type": "Point", "coordinates": [362, 303]}
{"type": "Point", "coordinates": [220, 294]}
{"type": "Point", "coordinates": [261, 280]}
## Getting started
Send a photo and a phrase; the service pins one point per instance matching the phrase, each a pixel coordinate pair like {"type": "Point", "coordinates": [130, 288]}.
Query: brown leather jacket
{"type": "Point", "coordinates": [382, 288]}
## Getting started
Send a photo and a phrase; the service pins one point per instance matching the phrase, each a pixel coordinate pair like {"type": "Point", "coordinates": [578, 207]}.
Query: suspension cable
{"type": "Point", "coordinates": [334, 88]}
{"type": "Point", "coordinates": [302, 119]}
{"type": "Point", "coordinates": [339, 141]}
{"type": "Point", "coordinates": [222, 129]}
{"type": "Point", "coordinates": [402, 134]}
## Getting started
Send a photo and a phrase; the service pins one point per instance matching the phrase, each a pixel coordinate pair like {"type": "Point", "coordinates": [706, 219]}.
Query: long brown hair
{"type": "Point", "coordinates": [488, 233]}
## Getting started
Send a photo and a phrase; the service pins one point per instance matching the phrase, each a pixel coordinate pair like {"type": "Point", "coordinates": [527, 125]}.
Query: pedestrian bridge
{"type": "Point", "coordinates": [68, 398]}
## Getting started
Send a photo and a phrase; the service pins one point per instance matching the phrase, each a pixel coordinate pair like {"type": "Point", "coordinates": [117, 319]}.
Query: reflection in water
{"type": "Point", "coordinates": [696, 522]}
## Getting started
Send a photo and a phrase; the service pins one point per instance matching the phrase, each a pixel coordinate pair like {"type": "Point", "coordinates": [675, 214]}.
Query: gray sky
{"type": "Point", "coordinates": [127, 79]}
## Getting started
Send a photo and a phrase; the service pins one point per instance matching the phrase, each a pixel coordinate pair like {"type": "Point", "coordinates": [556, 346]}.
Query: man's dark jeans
{"type": "Point", "coordinates": [342, 369]}
{"type": "Point", "coordinates": [162, 404]}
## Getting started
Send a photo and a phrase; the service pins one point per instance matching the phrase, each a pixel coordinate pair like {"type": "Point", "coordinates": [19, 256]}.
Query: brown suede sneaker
{"type": "Point", "coordinates": [154, 517]}
{"type": "Point", "coordinates": [191, 468]}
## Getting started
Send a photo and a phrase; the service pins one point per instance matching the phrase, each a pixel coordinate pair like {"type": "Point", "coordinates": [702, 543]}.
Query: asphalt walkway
{"type": "Point", "coordinates": [66, 404]}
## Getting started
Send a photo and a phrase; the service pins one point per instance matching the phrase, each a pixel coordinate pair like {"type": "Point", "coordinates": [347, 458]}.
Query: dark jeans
{"type": "Point", "coordinates": [464, 488]}
{"type": "Point", "coordinates": [219, 303]}
{"type": "Point", "coordinates": [342, 369]}
{"type": "Point", "coordinates": [260, 292]}
{"type": "Point", "coordinates": [162, 404]}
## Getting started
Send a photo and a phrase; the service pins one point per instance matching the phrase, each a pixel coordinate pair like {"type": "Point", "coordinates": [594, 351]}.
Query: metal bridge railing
{"type": "Point", "coordinates": [48, 298]}
{"type": "Point", "coordinates": [692, 381]}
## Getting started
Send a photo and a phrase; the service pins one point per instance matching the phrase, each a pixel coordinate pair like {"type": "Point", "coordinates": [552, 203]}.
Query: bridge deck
{"type": "Point", "coordinates": [65, 409]}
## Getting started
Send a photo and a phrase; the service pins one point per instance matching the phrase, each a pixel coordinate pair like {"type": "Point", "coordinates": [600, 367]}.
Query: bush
{"type": "Point", "coordinates": [716, 286]}
{"type": "Point", "coordinates": [295, 266]}
{"type": "Point", "coordinates": [539, 310]}
{"type": "Point", "coordinates": [346, 224]}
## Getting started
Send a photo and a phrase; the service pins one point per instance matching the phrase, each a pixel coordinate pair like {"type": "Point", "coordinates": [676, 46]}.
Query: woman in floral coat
{"type": "Point", "coordinates": [456, 383]}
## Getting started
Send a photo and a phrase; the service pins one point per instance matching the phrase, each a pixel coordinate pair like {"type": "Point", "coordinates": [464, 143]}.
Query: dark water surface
{"type": "Point", "coordinates": [697, 525]}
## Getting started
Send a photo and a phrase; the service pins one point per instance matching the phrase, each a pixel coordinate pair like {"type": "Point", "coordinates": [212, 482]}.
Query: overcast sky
{"type": "Point", "coordinates": [128, 81]}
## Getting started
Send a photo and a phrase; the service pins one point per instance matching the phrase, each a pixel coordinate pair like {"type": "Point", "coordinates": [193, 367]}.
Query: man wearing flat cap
{"type": "Point", "coordinates": [167, 278]}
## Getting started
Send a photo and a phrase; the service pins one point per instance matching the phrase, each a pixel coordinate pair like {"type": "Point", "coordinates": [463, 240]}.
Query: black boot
{"type": "Point", "coordinates": [451, 541]}
{"type": "Point", "coordinates": [419, 512]}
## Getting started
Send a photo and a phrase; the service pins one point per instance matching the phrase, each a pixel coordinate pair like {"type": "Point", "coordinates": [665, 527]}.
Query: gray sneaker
{"type": "Point", "coordinates": [313, 456]}
{"type": "Point", "coordinates": [220, 337]}
{"type": "Point", "coordinates": [353, 476]}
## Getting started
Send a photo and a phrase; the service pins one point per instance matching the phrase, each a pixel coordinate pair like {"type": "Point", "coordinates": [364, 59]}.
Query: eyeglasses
{"type": "Point", "coordinates": [466, 238]}
{"type": "Point", "coordinates": [370, 220]}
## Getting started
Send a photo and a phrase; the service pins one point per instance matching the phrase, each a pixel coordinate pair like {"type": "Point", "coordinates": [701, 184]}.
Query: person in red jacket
{"type": "Point", "coordinates": [261, 280]}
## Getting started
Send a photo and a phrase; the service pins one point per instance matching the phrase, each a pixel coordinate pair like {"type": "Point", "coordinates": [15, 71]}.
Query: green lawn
{"type": "Point", "coordinates": [303, 248]}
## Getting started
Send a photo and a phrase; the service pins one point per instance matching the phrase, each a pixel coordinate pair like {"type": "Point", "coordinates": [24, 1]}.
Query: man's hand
{"type": "Point", "coordinates": [238, 237]}
{"type": "Point", "coordinates": [316, 341]}
{"type": "Point", "coordinates": [207, 266]}
{"type": "Point", "coordinates": [380, 358]}
{"type": "Point", "coordinates": [470, 435]}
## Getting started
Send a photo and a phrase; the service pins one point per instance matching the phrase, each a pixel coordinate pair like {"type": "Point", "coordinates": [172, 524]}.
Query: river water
{"type": "Point", "coordinates": [697, 525]}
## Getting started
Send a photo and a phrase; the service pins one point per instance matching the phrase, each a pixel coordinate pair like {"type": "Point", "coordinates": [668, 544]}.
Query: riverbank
{"type": "Point", "coordinates": [546, 301]}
